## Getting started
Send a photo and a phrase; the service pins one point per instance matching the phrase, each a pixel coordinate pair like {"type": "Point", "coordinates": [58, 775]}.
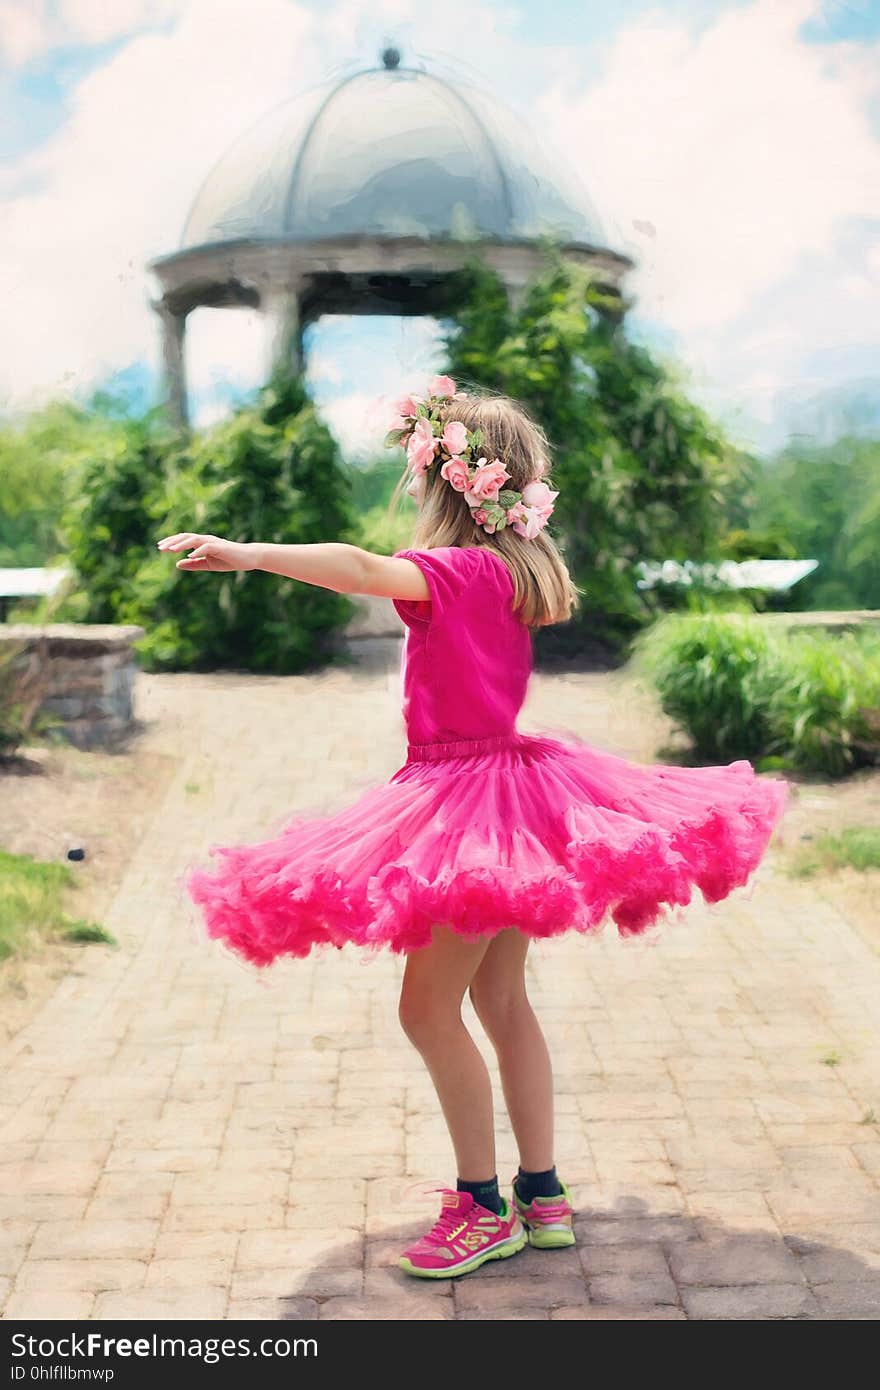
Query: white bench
{"type": "Point", "coordinates": [28, 583]}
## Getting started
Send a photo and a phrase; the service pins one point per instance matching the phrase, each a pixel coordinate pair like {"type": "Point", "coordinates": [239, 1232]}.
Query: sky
{"type": "Point", "coordinates": [732, 148]}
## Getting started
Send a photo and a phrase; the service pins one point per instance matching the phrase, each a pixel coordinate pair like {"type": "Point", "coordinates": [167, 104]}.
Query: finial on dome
{"type": "Point", "coordinates": [391, 58]}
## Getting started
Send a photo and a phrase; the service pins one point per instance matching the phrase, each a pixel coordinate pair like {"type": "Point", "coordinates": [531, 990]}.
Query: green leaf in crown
{"type": "Point", "coordinates": [393, 437]}
{"type": "Point", "coordinates": [475, 439]}
{"type": "Point", "coordinates": [507, 499]}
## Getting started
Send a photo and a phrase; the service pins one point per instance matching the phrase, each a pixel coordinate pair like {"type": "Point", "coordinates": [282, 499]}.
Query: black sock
{"type": "Point", "coordinates": [532, 1185]}
{"type": "Point", "coordinates": [484, 1193]}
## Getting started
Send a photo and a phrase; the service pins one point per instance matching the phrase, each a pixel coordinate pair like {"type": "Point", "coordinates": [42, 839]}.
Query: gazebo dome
{"type": "Point", "coordinates": [369, 196]}
{"type": "Point", "coordinates": [392, 152]}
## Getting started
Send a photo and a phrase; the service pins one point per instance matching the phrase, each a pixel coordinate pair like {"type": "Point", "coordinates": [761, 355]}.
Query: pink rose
{"type": "Point", "coordinates": [516, 513]}
{"type": "Point", "coordinates": [454, 439]}
{"type": "Point", "coordinates": [441, 386]}
{"type": "Point", "coordinates": [481, 517]}
{"type": "Point", "coordinates": [422, 446]}
{"type": "Point", "coordinates": [539, 496]}
{"type": "Point", "coordinates": [531, 524]}
{"type": "Point", "coordinates": [407, 405]}
{"type": "Point", "coordinates": [488, 480]}
{"type": "Point", "coordinates": [455, 471]}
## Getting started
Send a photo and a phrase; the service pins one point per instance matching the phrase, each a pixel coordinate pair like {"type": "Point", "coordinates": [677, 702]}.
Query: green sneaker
{"type": "Point", "coordinates": [548, 1220]}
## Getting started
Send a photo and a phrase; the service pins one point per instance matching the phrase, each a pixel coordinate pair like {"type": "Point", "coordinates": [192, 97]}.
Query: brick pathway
{"type": "Point", "coordinates": [174, 1129]}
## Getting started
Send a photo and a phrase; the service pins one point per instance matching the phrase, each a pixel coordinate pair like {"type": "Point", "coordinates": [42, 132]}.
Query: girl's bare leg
{"type": "Point", "coordinates": [498, 994]}
{"type": "Point", "coordinates": [434, 984]}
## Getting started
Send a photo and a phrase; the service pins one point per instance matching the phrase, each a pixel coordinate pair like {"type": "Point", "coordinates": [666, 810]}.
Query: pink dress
{"type": "Point", "coordinates": [484, 827]}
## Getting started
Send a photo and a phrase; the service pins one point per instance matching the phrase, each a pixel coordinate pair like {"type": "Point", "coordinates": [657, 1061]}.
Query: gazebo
{"type": "Point", "coordinates": [366, 196]}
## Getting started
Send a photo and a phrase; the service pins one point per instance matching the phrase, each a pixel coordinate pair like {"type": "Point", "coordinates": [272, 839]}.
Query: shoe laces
{"type": "Point", "coordinates": [448, 1223]}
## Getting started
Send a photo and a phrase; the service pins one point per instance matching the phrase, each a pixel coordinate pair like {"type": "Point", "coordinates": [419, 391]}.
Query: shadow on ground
{"type": "Point", "coordinates": [628, 1264]}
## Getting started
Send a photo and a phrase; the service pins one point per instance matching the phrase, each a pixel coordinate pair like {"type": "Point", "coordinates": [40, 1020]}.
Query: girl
{"type": "Point", "coordinates": [486, 837]}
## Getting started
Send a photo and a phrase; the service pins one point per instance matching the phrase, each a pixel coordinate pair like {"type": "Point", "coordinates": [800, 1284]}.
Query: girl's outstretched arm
{"type": "Point", "coordinates": [347, 569]}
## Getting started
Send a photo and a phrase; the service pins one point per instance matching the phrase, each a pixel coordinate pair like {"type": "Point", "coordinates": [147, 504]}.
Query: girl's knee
{"type": "Point", "coordinates": [423, 1017]}
{"type": "Point", "coordinates": [499, 1003]}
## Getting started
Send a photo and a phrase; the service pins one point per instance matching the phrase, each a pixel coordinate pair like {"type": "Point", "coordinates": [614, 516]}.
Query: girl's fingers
{"type": "Point", "coordinates": [179, 541]}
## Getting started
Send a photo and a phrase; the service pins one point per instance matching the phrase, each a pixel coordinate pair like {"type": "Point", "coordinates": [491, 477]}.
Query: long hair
{"type": "Point", "coordinates": [544, 592]}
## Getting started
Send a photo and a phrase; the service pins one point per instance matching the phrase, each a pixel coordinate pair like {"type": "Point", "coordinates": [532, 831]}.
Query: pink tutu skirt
{"type": "Point", "coordinates": [515, 831]}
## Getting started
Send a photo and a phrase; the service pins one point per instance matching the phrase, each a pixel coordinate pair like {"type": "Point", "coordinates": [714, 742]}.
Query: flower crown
{"type": "Point", "coordinates": [418, 428]}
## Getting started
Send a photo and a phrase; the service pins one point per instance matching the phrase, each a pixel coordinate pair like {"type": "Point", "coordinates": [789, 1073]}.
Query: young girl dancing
{"type": "Point", "coordinates": [486, 837]}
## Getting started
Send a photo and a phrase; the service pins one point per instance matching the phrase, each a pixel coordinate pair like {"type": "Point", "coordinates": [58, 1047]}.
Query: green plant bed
{"type": "Point", "coordinates": [738, 689]}
{"type": "Point", "coordinates": [32, 894]}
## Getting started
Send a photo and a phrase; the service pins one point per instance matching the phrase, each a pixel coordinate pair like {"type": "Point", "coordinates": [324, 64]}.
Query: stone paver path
{"type": "Point", "coordinates": [181, 1137]}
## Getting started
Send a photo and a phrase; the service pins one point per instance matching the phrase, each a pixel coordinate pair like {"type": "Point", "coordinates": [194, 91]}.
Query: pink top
{"type": "Point", "coordinates": [468, 657]}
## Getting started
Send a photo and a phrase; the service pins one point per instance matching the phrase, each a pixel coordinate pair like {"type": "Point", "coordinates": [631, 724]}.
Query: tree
{"type": "Point", "coordinates": [42, 459]}
{"type": "Point", "coordinates": [826, 500]}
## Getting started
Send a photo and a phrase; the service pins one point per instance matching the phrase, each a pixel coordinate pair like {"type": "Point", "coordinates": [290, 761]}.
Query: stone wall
{"type": "Point", "coordinates": [84, 674]}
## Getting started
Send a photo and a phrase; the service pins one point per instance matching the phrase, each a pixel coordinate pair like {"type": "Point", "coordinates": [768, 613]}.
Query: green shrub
{"type": "Point", "coordinates": [108, 528]}
{"type": "Point", "coordinates": [741, 690]}
{"type": "Point", "coordinates": [823, 699]}
{"type": "Point", "coordinates": [707, 669]}
{"type": "Point", "coordinates": [384, 534]}
{"type": "Point", "coordinates": [271, 472]}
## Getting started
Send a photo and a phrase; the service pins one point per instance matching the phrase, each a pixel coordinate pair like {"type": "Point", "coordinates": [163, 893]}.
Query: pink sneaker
{"type": "Point", "coordinates": [548, 1220]}
{"type": "Point", "coordinates": [463, 1237]}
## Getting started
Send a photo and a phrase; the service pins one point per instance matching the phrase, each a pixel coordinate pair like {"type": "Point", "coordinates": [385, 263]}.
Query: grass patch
{"type": "Point", "coordinates": [32, 896]}
{"type": "Point", "coordinates": [857, 847]}
{"type": "Point", "coordinates": [831, 1059]}
{"type": "Point", "coordinates": [88, 933]}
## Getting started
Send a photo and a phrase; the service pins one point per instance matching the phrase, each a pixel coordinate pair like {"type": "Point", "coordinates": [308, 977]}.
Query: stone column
{"type": "Point", "coordinates": [173, 388]}
{"type": "Point", "coordinates": [282, 309]}
{"type": "Point", "coordinates": [516, 291]}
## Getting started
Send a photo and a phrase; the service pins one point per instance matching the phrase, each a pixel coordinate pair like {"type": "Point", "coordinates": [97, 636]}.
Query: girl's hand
{"type": "Point", "coordinates": [209, 552]}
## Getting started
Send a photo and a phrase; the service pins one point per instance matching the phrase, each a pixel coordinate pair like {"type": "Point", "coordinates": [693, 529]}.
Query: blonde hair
{"type": "Point", "coordinates": [544, 592]}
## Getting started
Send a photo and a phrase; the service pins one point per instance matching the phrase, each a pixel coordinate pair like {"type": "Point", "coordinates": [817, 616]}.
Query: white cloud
{"type": "Point", "coordinates": [324, 367]}
{"type": "Point", "coordinates": [740, 164]}
{"type": "Point", "coordinates": [225, 347]}
{"type": "Point", "coordinates": [112, 187]}
{"type": "Point", "coordinates": [30, 28]}
{"type": "Point", "coordinates": [94, 21]}
{"type": "Point", "coordinates": [24, 32]}
{"type": "Point", "coordinates": [398, 355]}
{"type": "Point", "coordinates": [355, 423]}
{"type": "Point", "coordinates": [743, 146]}
{"type": "Point", "coordinates": [736, 162]}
